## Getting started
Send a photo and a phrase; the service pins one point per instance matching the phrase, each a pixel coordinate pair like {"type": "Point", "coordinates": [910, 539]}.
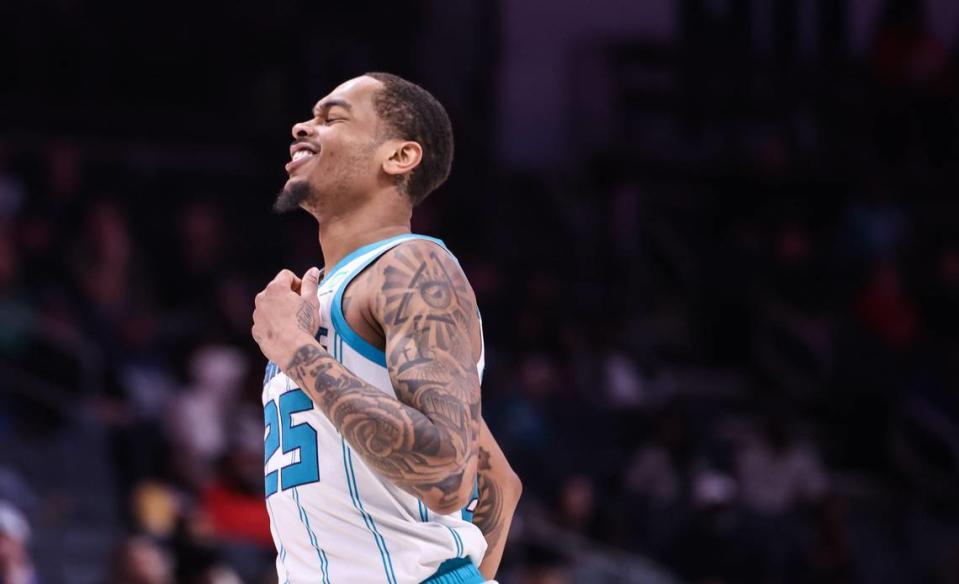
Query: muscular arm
{"type": "Point", "coordinates": [499, 492]}
{"type": "Point", "coordinates": [425, 439]}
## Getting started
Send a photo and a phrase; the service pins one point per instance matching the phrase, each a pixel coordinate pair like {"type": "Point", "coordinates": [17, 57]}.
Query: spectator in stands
{"type": "Point", "coordinates": [198, 420]}
{"type": "Point", "coordinates": [777, 472]}
{"type": "Point", "coordinates": [15, 564]}
{"type": "Point", "coordinates": [886, 308]}
{"type": "Point", "coordinates": [233, 501]}
{"type": "Point", "coordinates": [141, 561]}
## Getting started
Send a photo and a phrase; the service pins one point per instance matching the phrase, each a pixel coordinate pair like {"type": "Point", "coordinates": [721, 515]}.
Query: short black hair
{"type": "Point", "coordinates": [412, 113]}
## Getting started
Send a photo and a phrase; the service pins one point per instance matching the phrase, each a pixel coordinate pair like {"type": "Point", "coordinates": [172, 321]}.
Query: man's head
{"type": "Point", "coordinates": [374, 133]}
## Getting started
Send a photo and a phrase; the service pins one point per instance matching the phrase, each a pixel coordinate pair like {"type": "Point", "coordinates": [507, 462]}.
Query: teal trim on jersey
{"type": "Point", "coordinates": [424, 512]}
{"type": "Point", "coordinates": [320, 553]}
{"type": "Point", "coordinates": [456, 571]}
{"type": "Point", "coordinates": [272, 370]}
{"type": "Point", "coordinates": [467, 512]}
{"type": "Point", "coordinates": [282, 547]}
{"type": "Point", "coordinates": [271, 443]}
{"type": "Point", "coordinates": [360, 251]}
{"type": "Point", "coordinates": [359, 344]}
{"type": "Point", "coordinates": [456, 540]}
{"type": "Point", "coordinates": [367, 518]}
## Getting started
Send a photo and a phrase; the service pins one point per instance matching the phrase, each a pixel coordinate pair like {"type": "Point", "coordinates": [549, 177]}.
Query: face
{"type": "Point", "coordinates": [337, 155]}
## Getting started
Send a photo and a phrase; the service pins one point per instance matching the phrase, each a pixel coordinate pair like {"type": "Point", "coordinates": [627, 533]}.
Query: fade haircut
{"type": "Point", "coordinates": [412, 113]}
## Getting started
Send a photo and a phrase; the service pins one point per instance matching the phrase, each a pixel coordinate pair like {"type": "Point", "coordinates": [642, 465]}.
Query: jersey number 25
{"type": "Point", "coordinates": [280, 430]}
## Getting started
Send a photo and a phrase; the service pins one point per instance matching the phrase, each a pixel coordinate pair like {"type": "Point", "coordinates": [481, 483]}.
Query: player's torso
{"type": "Point", "coordinates": [333, 519]}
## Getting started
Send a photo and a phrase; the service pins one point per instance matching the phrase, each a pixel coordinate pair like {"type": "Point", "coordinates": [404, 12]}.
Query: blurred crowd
{"type": "Point", "coordinates": [734, 377]}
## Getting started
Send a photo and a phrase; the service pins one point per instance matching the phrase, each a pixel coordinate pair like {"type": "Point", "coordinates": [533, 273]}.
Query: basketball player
{"type": "Point", "coordinates": [375, 448]}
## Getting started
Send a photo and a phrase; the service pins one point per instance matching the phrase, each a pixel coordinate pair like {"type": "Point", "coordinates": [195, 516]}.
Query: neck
{"type": "Point", "coordinates": [345, 233]}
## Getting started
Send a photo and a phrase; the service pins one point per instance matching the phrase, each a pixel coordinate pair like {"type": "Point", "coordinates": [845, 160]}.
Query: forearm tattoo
{"type": "Point", "coordinates": [425, 439]}
{"type": "Point", "coordinates": [490, 514]}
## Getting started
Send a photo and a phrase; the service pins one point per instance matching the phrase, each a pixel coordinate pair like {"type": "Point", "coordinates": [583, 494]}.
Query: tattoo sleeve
{"type": "Point", "coordinates": [499, 493]}
{"type": "Point", "coordinates": [425, 439]}
{"type": "Point", "coordinates": [489, 511]}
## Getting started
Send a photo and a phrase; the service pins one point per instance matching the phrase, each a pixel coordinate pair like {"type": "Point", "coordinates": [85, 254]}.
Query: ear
{"type": "Point", "coordinates": [405, 156]}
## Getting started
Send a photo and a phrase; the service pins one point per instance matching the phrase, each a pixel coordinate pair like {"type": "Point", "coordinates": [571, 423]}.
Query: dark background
{"type": "Point", "coordinates": [715, 243]}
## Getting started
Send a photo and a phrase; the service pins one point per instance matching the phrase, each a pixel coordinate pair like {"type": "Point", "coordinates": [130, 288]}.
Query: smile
{"type": "Point", "coordinates": [299, 155]}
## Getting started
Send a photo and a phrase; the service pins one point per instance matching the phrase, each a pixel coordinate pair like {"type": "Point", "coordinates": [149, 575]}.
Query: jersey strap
{"type": "Point", "coordinates": [374, 251]}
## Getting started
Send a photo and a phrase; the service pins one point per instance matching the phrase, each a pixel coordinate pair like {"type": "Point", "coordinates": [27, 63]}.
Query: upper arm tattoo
{"type": "Point", "coordinates": [429, 316]}
{"type": "Point", "coordinates": [425, 439]}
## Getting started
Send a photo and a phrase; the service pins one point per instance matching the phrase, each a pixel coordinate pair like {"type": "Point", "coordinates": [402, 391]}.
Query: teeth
{"type": "Point", "coordinates": [300, 154]}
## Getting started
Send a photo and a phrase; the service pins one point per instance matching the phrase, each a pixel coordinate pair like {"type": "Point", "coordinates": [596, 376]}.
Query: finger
{"type": "Point", "coordinates": [285, 278]}
{"type": "Point", "coordinates": [311, 281]}
{"type": "Point", "coordinates": [297, 283]}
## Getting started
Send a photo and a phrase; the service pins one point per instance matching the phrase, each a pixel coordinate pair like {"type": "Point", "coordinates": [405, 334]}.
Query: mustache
{"type": "Point", "coordinates": [313, 145]}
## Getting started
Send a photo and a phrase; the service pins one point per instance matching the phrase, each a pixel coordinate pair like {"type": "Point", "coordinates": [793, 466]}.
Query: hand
{"type": "Point", "coordinates": [285, 312]}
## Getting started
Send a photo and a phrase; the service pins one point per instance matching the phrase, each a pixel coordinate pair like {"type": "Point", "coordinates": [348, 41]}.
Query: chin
{"type": "Point", "coordinates": [294, 182]}
{"type": "Point", "coordinates": [295, 193]}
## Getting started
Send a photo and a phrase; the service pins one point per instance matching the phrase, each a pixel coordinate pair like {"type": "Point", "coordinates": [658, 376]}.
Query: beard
{"type": "Point", "coordinates": [293, 196]}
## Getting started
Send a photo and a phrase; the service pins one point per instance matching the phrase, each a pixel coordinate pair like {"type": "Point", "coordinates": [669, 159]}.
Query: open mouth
{"type": "Point", "coordinates": [299, 155]}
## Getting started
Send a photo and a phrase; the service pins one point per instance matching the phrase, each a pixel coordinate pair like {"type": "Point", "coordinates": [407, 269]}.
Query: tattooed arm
{"type": "Point", "coordinates": [499, 492]}
{"type": "Point", "coordinates": [424, 440]}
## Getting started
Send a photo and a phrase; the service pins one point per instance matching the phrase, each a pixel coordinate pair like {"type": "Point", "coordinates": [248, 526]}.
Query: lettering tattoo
{"type": "Point", "coordinates": [425, 439]}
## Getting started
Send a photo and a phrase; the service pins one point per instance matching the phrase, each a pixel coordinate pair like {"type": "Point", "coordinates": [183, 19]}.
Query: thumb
{"type": "Point", "coordinates": [311, 281]}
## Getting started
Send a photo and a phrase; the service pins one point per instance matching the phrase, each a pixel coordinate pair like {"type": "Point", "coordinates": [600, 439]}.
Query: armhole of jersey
{"type": "Point", "coordinates": [354, 340]}
{"type": "Point", "coordinates": [466, 513]}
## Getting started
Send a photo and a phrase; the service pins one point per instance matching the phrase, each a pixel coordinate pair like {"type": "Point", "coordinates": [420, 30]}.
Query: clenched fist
{"type": "Point", "coordinates": [286, 314]}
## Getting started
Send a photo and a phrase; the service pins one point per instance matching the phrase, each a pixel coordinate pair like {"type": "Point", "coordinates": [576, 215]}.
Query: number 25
{"type": "Point", "coordinates": [300, 437]}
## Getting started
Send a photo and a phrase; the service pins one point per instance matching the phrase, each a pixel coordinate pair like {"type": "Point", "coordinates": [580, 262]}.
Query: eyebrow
{"type": "Point", "coordinates": [331, 103]}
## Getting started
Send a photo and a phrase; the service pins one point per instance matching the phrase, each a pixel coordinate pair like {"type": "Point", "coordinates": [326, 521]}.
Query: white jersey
{"type": "Point", "coordinates": [334, 520]}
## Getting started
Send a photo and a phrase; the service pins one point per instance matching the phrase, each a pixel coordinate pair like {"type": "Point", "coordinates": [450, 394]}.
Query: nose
{"type": "Point", "coordinates": [302, 130]}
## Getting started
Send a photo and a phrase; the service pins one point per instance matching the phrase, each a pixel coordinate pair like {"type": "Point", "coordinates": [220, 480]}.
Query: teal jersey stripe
{"type": "Point", "coordinates": [320, 553]}
{"type": "Point", "coordinates": [456, 540]}
{"type": "Point", "coordinates": [424, 512]}
{"type": "Point", "coordinates": [367, 519]}
{"type": "Point", "coordinates": [381, 540]}
{"type": "Point", "coordinates": [282, 547]}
